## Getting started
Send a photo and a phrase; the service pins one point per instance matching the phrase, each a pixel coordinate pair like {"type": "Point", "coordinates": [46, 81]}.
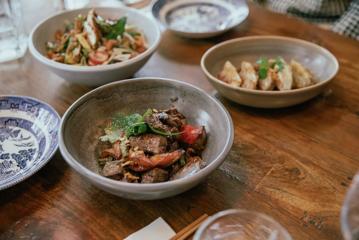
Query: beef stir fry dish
{"type": "Point", "coordinates": [267, 74]}
{"type": "Point", "coordinates": [157, 146]}
{"type": "Point", "coordinates": [93, 40]}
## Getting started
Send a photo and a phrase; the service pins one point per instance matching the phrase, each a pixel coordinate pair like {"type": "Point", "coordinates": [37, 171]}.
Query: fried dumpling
{"type": "Point", "coordinates": [230, 75]}
{"type": "Point", "coordinates": [248, 75]}
{"type": "Point", "coordinates": [268, 82]}
{"type": "Point", "coordinates": [284, 78]}
{"type": "Point", "coordinates": [301, 76]}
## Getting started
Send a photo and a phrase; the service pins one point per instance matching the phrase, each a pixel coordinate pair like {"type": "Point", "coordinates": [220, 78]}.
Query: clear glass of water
{"type": "Point", "coordinates": [13, 40]}
{"type": "Point", "coordinates": [237, 224]}
{"type": "Point", "coordinates": [349, 217]}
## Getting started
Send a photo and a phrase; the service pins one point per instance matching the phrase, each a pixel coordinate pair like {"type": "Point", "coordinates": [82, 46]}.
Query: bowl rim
{"type": "Point", "coordinates": [52, 153]}
{"type": "Point", "coordinates": [110, 183]}
{"type": "Point", "coordinates": [273, 38]}
{"type": "Point", "coordinates": [200, 34]}
{"type": "Point", "coordinates": [98, 68]}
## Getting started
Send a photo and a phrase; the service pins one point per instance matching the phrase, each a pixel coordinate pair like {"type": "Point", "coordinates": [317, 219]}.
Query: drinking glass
{"type": "Point", "coordinates": [349, 216]}
{"type": "Point", "coordinates": [13, 40]}
{"type": "Point", "coordinates": [237, 224]}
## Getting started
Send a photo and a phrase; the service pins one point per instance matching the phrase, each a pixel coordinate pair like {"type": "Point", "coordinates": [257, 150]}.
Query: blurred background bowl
{"type": "Point", "coordinates": [100, 74]}
{"type": "Point", "coordinates": [81, 129]}
{"type": "Point", "coordinates": [200, 18]}
{"type": "Point", "coordinates": [318, 60]}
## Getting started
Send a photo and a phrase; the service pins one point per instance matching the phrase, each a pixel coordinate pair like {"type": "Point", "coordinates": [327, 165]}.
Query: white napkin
{"type": "Point", "coordinates": [156, 230]}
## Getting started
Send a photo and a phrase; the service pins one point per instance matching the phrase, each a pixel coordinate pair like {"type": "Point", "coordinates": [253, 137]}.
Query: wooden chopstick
{"type": "Point", "coordinates": [190, 229]}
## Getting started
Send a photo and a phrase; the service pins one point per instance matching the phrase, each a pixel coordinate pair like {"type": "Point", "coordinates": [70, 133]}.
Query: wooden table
{"type": "Point", "coordinates": [294, 164]}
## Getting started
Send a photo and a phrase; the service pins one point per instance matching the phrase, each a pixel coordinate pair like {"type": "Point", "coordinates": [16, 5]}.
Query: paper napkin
{"type": "Point", "coordinates": [157, 230]}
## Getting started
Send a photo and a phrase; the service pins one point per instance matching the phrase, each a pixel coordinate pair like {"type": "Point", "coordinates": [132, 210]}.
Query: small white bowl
{"type": "Point", "coordinates": [200, 18]}
{"type": "Point", "coordinates": [101, 74]}
{"type": "Point", "coordinates": [318, 60]}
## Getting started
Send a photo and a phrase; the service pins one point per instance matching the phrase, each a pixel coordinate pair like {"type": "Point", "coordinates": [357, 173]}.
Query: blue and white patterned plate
{"type": "Point", "coordinates": [28, 137]}
{"type": "Point", "coordinates": [200, 18]}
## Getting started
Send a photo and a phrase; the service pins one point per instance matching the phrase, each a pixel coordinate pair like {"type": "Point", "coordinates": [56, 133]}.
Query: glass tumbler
{"type": "Point", "coordinates": [13, 40]}
{"type": "Point", "coordinates": [237, 224]}
{"type": "Point", "coordinates": [349, 216]}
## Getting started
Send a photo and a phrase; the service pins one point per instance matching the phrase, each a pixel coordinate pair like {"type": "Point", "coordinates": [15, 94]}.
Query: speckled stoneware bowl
{"type": "Point", "coordinates": [200, 18]}
{"type": "Point", "coordinates": [100, 74]}
{"type": "Point", "coordinates": [28, 137]}
{"type": "Point", "coordinates": [318, 60]}
{"type": "Point", "coordinates": [81, 129]}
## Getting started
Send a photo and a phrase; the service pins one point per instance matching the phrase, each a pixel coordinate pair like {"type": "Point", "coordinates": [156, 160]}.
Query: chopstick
{"type": "Point", "coordinates": [190, 229]}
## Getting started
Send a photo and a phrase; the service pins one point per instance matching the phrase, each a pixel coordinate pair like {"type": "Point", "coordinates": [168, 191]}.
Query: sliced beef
{"type": "Point", "coordinates": [173, 146]}
{"type": "Point", "coordinates": [112, 169]}
{"type": "Point", "coordinates": [174, 118]}
{"type": "Point", "coordinates": [154, 120]}
{"type": "Point", "coordinates": [149, 143]}
{"type": "Point", "coordinates": [169, 120]}
{"type": "Point", "coordinates": [201, 141]}
{"type": "Point", "coordinates": [154, 176]}
{"type": "Point", "coordinates": [193, 165]}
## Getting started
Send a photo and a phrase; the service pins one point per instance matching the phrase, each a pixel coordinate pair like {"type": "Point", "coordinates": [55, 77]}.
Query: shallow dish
{"type": "Point", "coordinates": [81, 128]}
{"type": "Point", "coordinates": [28, 137]}
{"type": "Point", "coordinates": [200, 18]}
{"type": "Point", "coordinates": [318, 60]}
{"type": "Point", "coordinates": [100, 74]}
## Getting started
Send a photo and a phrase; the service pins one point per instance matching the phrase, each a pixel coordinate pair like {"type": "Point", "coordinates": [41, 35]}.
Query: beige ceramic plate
{"type": "Point", "coordinates": [318, 60]}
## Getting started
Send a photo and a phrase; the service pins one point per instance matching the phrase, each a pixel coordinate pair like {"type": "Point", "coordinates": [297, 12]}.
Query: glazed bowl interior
{"type": "Point", "coordinates": [83, 123]}
{"type": "Point", "coordinates": [322, 64]}
{"type": "Point", "coordinates": [45, 32]}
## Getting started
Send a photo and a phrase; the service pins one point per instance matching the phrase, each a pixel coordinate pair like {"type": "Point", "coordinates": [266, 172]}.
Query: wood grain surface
{"type": "Point", "coordinates": [294, 164]}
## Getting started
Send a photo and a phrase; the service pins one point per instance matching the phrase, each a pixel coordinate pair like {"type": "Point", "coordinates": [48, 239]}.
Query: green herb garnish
{"type": "Point", "coordinates": [115, 30]}
{"type": "Point", "coordinates": [263, 68]}
{"type": "Point", "coordinates": [132, 124]}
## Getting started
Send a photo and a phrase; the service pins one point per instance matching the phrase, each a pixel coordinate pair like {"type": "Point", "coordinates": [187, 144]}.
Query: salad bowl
{"type": "Point", "coordinates": [99, 74]}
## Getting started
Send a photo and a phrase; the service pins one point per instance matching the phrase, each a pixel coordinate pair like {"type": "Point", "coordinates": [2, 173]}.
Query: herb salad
{"type": "Point", "coordinates": [92, 40]}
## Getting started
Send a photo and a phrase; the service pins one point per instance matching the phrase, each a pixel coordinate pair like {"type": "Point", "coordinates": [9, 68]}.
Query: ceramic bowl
{"type": "Point", "coordinates": [100, 74]}
{"type": "Point", "coordinates": [28, 137]}
{"type": "Point", "coordinates": [318, 60]}
{"type": "Point", "coordinates": [81, 129]}
{"type": "Point", "coordinates": [200, 18]}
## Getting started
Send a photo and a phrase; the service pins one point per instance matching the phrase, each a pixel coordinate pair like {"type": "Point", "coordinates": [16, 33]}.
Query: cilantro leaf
{"type": "Point", "coordinates": [131, 124]}
{"type": "Point", "coordinates": [263, 67]}
{"type": "Point", "coordinates": [115, 30]}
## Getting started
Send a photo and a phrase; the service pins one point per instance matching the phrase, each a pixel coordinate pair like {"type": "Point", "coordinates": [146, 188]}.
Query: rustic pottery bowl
{"type": "Point", "coordinates": [318, 60]}
{"type": "Point", "coordinates": [81, 128]}
{"type": "Point", "coordinates": [101, 74]}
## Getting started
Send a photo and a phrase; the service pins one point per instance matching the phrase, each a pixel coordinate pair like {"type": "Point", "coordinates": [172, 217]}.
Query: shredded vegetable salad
{"type": "Point", "coordinates": [92, 40]}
